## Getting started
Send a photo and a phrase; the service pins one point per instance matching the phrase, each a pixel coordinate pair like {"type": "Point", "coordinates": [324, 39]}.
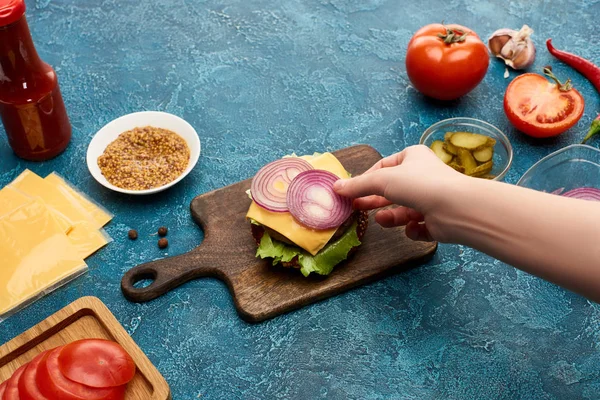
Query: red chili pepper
{"type": "Point", "coordinates": [581, 65]}
{"type": "Point", "coordinates": [594, 129]}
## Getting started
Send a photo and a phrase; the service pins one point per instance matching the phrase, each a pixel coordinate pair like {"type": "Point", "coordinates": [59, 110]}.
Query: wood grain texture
{"type": "Point", "coordinates": [85, 318]}
{"type": "Point", "coordinates": [261, 291]}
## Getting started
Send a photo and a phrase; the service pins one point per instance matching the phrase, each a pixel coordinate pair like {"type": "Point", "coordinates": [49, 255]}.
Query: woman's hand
{"type": "Point", "coordinates": [416, 180]}
{"type": "Point", "coordinates": [553, 237]}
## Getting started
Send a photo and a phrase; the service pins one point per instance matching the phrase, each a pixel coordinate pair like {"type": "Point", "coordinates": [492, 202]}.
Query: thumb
{"type": "Point", "coordinates": [373, 183]}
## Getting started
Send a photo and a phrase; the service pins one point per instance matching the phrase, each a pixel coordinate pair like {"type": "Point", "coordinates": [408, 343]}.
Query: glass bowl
{"type": "Point", "coordinates": [503, 152]}
{"type": "Point", "coordinates": [569, 168]}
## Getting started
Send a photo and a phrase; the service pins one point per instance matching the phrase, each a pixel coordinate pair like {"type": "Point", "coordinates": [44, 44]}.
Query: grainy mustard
{"type": "Point", "coordinates": [144, 158]}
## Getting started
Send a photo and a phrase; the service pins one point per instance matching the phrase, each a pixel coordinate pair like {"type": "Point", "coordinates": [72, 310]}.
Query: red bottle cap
{"type": "Point", "coordinates": [11, 11]}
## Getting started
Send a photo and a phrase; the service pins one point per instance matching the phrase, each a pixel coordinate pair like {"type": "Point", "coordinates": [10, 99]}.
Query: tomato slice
{"type": "Point", "coordinates": [2, 388]}
{"type": "Point", "coordinates": [28, 389]}
{"type": "Point", "coordinates": [97, 363]}
{"type": "Point", "coordinates": [538, 108]}
{"type": "Point", "coordinates": [55, 386]}
{"type": "Point", "coordinates": [12, 385]}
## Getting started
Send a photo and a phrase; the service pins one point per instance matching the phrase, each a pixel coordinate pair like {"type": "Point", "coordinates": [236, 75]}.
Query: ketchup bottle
{"type": "Point", "coordinates": [31, 106]}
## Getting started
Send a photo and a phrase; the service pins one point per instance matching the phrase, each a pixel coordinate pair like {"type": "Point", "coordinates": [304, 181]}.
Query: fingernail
{"type": "Point", "coordinates": [339, 184]}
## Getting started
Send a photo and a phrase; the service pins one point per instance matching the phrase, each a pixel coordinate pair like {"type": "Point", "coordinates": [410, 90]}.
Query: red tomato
{"type": "Point", "coordinates": [447, 67]}
{"type": "Point", "coordinates": [2, 389]}
{"type": "Point", "coordinates": [12, 385]}
{"type": "Point", "coordinates": [97, 363]}
{"type": "Point", "coordinates": [55, 386]}
{"type": "Point", "coordinates": [28, 389]}
{"type": "Point", "coordinates": [538, 108]}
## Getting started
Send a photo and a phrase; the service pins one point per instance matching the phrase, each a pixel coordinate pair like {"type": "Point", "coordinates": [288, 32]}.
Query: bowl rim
{"type": "Point", "coordinates": [109, 128]}
{"type": "Point", "coordinates": [552, 155]}
{"type": "Point", "coordinates": [475, 121]}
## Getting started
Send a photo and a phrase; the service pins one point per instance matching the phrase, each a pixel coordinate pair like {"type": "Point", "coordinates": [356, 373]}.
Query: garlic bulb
{"type": "Point", "coordinates": [514, 47]}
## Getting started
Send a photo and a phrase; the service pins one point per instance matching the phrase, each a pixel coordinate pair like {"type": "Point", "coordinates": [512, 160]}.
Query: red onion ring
{"type": "Point", "coordinates": [270, 184]}
{"type": "Point", "coordinates": [584, 193]}
{"type": "Point", "coordinates": [313, 202]}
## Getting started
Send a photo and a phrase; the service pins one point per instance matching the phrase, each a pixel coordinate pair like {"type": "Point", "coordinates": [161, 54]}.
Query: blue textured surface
{"type": "Point", "coordinates": [262, 78]}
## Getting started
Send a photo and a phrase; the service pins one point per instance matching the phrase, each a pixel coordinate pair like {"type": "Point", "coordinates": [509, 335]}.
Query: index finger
{"type": "Point", "coordinates": [389, 161]}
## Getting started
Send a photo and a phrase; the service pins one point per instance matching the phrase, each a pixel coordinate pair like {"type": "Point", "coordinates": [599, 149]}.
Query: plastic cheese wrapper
{"type": "Point", "coordinates": [78, 216]}
{"type": "Point", "coordinates": [37, 256]}
{"type": "Point", "coordinates": [99, 214]}
{"type": "Point", "coordinates": [59, 201]}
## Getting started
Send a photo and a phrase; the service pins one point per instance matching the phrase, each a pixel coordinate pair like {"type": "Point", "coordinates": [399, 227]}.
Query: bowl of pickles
{"type": "Point", "coordinates": [470, 146]}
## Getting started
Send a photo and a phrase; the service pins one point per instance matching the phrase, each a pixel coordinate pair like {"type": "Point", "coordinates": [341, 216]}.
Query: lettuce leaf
{"type": "Point", "coordinates": [322, 263]}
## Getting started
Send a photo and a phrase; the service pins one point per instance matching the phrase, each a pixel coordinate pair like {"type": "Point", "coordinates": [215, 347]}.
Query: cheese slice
{"type": "Point", "coordinates": [310, 240]}
{"type": "Point", "coordinates": [11, 199]}
{"type": "Point", "coordinates": [86, 239]}
{"type": "Point", "coordinates": [60, 201]}
{"type": "Point", "coordinates": [81, 224]}
{"type": "Point", "coordinates": [99, 215]}
{"type": "Point", "coordinates": [36, 255]}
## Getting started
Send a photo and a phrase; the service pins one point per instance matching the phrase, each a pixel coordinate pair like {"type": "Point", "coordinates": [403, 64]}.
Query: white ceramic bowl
{"type": "Point", "coordinates": [157, 119]}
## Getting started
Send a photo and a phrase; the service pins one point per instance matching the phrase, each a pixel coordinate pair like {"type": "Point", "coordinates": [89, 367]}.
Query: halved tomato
{"type": "Point", "coordinates": [97, 363]}
{"type": "Point", "coordinates": [12, 385]}
{"type": "Point", "coordinates": [28, 389]}
{"type": "Point", "coordinates": [540, 108]}
{"type": "Point", "coordinates": [54, 385]}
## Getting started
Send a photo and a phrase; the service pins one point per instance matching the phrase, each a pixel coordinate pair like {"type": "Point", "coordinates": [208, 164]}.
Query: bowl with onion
{"type": "Point", "coordinates": [573, 171]}
{"type": "Point", "coordinates": [471, 146]}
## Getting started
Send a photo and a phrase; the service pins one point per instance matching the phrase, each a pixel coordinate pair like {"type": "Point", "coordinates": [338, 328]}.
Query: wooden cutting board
{"type": "Point", "coordinates": [261, 291]}
{"type": "Point", "coordinates": [85, 318]}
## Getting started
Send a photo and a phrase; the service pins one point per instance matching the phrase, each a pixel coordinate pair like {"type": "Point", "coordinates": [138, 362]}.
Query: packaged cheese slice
{"type": "Point", "coordinates": [86, 239]}
{"type": "Point", "coordinates": [37, 256]}
{"type": "Point", "coordinates": [100, 215]}
{"type": "Point", "coordinates": [81, 219]}
{"type": "Point", "coordinates": [60, 201]}
{"type": "Point", "coordinates": [11, 199]}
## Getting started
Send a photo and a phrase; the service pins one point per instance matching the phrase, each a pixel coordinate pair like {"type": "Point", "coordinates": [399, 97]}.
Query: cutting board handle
{"type": "Point", "coordinates": [165, 274]}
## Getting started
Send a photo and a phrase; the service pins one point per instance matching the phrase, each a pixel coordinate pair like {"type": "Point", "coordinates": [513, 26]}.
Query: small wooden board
{"type": "Point", "coordinates": [261, 291]}
{"type": "Point", "coordinates": [85, 318]}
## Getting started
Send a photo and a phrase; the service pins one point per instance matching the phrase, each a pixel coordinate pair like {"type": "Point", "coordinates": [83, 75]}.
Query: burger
{"type": "Point", "coordinates": [297, 219]}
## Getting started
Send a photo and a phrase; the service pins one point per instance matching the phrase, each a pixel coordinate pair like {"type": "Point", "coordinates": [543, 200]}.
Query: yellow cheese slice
{"type": "Point", "coordinates": [82, 220]}
{"type": "Point", "coordinates": [10, 199]}
{"type": "Point", "coordinates": [100, 216]}
{"type": "Point", "coordinates": [59, 201]}
{"type": "Point", "coordinates": [328, 162]}
{"type": "Point", "coordinates": [86, 239]}
{"type": "Point", "coordinates": [36, 255]}
{"type": "Point", "coordinates": [310, 240]}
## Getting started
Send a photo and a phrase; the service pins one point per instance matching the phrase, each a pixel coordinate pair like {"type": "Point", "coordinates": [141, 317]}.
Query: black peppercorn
{"type": "Point", "coordinates": [162, 231]}
{"type": "Point", "coordinates": [132, 234]}
{"type": "Point", "coordinates": [163, 243]}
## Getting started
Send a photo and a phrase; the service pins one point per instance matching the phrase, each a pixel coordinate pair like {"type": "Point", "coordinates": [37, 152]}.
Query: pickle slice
{"type": "Point", "coordinates": [482, 169]}
{"type": "Point", "coordinates": [457, 167]}
{"type": "Point", "coordinates": [483, 155]}
{"type": "Point", "coordinates": [450, 148]}
{"type": "Point", "coordinates": [438, 149]}
{"type": "Point", "coordinates": [470, 141]}
{"type": "Point", "coordinates": [467, 160]}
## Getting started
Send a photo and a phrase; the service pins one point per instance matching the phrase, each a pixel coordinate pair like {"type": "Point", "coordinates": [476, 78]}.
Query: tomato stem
{"type": "Point", "coordinates": [453, 36]}
{"type": "Point", "coordinates": [563, 87]}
